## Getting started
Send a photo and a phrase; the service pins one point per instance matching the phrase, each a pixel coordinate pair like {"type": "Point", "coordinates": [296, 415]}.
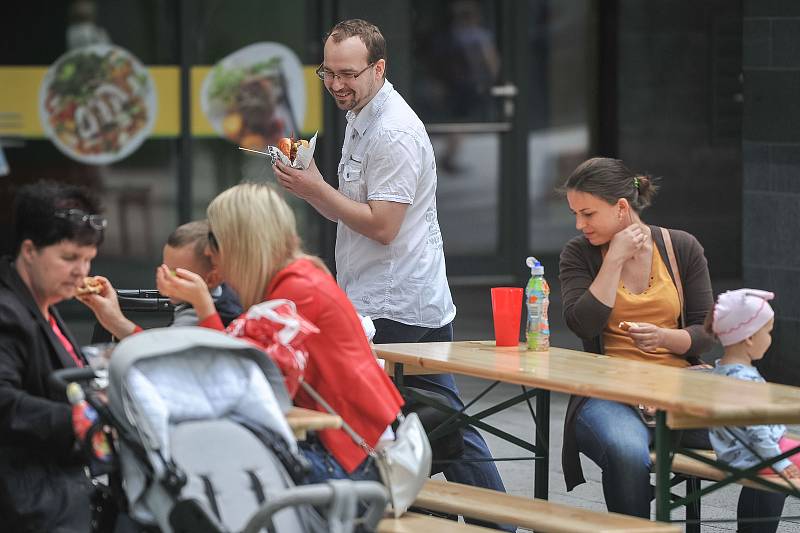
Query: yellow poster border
{"type": "Point", "coordinates": [19, 101]}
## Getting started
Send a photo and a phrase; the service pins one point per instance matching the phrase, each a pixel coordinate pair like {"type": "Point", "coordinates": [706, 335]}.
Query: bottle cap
{"type": "Point", "coordinates": [536, 267]}
{"type": "Point", "coordinates": [75, 393]}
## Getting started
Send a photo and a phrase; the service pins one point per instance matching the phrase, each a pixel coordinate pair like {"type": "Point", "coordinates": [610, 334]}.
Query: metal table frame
{"type": "Point", "coordinates": [460, 418]}
{"type": "Point", "coordinates": [666, 502]}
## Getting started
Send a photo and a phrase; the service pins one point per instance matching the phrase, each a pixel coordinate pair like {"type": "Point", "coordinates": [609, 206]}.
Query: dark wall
{"type": "Point", "coordinates": [771, 163]}
{"type": "Point", "coordinates": [679, 116]}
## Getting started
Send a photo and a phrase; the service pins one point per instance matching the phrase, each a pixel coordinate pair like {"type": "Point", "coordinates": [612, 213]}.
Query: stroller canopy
{"type": "Point", "coordinates": [161, 377]}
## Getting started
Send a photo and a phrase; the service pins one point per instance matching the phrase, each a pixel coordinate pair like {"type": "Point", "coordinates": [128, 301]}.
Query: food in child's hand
{"type": "Point", "coordinates": [289, 147]}
{"type": "Point", "coordinates": [91, 285]}
{"type": "Point", "coordinates": [625, 325]}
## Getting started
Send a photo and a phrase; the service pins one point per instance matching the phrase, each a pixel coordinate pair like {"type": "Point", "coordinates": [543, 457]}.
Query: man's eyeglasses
{"type": "Point", "coordinates": [76, 216]}
{"type": "Point", "coordinates": [212, 242]}
{"type": "Point", "coordinates": [329, 75]}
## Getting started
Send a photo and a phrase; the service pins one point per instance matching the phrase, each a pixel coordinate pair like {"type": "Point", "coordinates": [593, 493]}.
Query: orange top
{"type": "Point", "coordinates": [658, 305]}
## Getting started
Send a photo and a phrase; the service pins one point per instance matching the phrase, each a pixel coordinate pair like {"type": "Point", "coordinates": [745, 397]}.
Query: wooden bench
{"type": "Point", "coordinates": [681, 464]}
{"type": "Point", "coordinates": [418, 523]}
{"type": "Point", "coordinates": [539, 515]}
{"type": "Point", "coordinates": [301, 421]}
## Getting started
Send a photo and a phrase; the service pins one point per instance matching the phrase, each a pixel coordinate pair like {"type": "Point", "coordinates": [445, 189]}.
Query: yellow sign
{"type": "Point", "coordinates": [19, 101]}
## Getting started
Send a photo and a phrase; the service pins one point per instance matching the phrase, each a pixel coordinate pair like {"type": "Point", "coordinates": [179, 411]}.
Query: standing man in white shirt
{"type": "Point", "coordinates": [389, 254]}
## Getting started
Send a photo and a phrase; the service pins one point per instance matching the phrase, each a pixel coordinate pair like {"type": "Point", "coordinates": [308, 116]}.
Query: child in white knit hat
{"type": "Point", "coordinates": [742, 321]}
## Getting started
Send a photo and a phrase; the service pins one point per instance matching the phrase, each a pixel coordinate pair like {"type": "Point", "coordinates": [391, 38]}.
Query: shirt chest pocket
{"type": "Point", "coordinates": [351, 181]}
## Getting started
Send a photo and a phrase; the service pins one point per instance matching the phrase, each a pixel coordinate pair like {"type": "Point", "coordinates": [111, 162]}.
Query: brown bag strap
{"type": "Point", "coordinates": [673, 264]}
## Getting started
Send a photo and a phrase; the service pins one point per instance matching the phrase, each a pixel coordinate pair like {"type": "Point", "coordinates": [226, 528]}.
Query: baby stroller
{"type": "Point", "coordinates": [203, 445]}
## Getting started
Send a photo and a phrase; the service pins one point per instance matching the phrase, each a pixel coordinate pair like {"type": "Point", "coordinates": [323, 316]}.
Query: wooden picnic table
{"type": "Point", "coordinates": [684, 399]}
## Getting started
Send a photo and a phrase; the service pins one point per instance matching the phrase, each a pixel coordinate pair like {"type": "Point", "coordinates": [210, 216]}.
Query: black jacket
{"type": "Point", "coordinates": [42, 483]}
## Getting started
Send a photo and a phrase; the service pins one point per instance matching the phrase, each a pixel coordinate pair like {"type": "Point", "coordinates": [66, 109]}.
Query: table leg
{"type": "Point", "coordinates": [398, 376]}
{"type": "Point", "coordinates": [663, 467]}
{"type": "Point", "coordinates": [542, 463]}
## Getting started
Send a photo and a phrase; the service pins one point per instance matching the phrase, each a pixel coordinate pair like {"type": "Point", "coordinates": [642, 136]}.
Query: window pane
{"type": "Point", "coordinates": [458, 61]}
{"type": "Point", "coordinates": [559, 117]}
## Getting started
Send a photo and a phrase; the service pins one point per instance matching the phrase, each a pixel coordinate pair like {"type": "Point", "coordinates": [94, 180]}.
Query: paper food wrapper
{"type": "Point", "coordinates": [301, 160]}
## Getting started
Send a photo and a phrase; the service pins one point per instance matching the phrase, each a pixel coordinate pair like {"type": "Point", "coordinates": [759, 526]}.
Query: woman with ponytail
{"type": "Point", "coordinates": [624, 298]}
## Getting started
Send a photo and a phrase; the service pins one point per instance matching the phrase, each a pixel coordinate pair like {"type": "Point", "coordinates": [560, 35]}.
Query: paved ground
{"type": "Point", "coordinates": [518, 476]}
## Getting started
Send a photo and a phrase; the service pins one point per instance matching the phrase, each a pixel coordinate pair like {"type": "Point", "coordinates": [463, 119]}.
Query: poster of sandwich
{"type": "Point", "coordinates": [256, 95]}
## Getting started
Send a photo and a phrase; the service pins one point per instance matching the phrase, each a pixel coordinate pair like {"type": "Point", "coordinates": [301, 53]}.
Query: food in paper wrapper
{"type": "Point", "coordinates": [304, 153]}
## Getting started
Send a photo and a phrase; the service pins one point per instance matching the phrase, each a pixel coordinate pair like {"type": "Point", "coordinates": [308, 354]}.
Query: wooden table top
{"type": "Point", "coordinates": [691, 399]}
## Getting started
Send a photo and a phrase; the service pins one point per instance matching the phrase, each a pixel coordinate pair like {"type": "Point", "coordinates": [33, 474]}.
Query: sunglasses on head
{"type": "Point", "coordinates": [212, 241]}
{"type": "Point", "coordinates": [76, 216]}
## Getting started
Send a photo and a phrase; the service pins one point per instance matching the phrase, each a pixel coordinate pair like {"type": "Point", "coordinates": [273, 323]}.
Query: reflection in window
{"type": "Point", "coordinates": [558, 139]}
{"type": "Point", "coordinates": [458, 62]}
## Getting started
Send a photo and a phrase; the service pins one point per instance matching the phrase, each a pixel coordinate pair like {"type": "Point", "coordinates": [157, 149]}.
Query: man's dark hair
{"type": "Point", "coordinates": [368, 32]}
{"type": "Point", "coordinates": [192, 233]}
{"type": "Point", "coordinates": [35, 215]}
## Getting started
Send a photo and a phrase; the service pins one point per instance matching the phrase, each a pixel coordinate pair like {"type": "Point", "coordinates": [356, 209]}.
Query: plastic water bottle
{"type": "Point", "coordinates": [84, 417]}
{"type": "Point", "coordinates": [537, 298]}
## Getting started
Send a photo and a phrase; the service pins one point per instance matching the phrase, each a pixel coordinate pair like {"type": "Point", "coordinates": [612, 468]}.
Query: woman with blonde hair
{"type": "Point", "coordinates": [253, 242]}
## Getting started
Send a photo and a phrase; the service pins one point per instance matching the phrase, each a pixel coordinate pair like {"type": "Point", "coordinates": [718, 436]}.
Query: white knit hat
{"type": "Point", "coordinates": [740, 314]}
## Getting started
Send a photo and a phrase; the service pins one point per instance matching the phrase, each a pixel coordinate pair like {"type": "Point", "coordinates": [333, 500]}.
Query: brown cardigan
{"type": "Point", "coordinates": [587, 317]}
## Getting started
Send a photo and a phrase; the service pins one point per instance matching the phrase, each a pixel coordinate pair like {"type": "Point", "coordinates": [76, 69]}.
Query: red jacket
{"type": "Point", "coordinates": [341, 366]}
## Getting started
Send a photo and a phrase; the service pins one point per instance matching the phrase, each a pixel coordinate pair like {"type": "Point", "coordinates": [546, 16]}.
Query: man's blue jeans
{"type": "Point", "coordinates": [613, 436]}
{"type": "Point", "coordinates": [479, 474]}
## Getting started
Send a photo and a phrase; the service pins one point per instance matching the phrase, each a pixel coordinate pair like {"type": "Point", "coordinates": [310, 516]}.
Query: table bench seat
{"type": "Point", "coordinates": [687, 466]}
{"type": "Point", "coordinates": [539, 515]}
{"type": "Point", "coordinates": [418, 523]}
{"type": "Point", "coordinates": [302, 420]}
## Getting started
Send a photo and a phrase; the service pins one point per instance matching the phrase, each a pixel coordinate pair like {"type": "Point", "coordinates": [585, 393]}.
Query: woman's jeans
{"type": "Point", "coordinates": [482, 473]}
{"type": "Point", "coordinates": [325, 467]}
{"type": "Point", "coordinates": [613, 436]}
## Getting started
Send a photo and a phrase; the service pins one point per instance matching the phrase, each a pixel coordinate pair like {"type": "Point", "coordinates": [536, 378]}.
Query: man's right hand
{"type": "Point", "coordinates": [304, 184]}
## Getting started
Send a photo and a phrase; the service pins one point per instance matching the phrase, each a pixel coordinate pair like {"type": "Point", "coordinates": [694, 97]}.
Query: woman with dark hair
{"type": "Point", "coordinates": [57, 230]}
{"type": "Point", "coordinates": [618, 271]}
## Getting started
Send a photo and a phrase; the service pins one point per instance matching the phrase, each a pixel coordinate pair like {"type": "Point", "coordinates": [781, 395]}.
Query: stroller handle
{"type": "Point", "coordinates": [143, 300]}
{"type": "Point", "coordinates": [61, 378]}
{"type": "Point", "coordinates": [341, 497]}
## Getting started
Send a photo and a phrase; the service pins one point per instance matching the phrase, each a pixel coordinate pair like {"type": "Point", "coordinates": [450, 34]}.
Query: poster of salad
{"type": "Point", "coordinates": [97, 103]}
{"type": "Point", "coordinates": [256, 95]}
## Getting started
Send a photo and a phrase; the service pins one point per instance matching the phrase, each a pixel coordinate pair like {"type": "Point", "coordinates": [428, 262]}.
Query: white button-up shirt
{"type": "Point", "coordinates": [388, 156]}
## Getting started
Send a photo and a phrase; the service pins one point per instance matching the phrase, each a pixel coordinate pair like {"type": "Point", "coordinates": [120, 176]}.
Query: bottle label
{"type": "Point", "coordinates": [538, 329]}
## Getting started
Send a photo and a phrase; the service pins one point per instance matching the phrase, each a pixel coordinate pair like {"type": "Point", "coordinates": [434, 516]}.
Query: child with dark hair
{"type": "Point", "coordinates": [186, 249]}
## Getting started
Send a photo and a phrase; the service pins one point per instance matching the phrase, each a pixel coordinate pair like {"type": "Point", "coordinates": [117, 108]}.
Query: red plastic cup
{"type": "Point", "coordinates": [506, 312]}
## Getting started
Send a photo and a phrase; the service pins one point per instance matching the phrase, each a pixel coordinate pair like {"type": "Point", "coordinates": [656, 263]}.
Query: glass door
{"type": "Point", "coordinates": [465, 88]}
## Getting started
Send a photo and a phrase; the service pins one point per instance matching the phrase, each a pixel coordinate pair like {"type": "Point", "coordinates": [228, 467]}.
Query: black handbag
{"type": "Point", "coordinates": [445, 448]}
